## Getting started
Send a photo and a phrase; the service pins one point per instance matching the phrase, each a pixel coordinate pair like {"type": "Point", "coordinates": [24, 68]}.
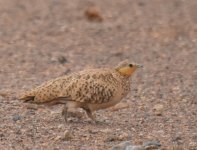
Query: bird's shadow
{"type": "Point", "coordinates": [88, 122]}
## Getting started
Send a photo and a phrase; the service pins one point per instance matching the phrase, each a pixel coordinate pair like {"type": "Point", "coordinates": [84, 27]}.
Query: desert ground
{"type": "Point", "coordinates": [42, 40]}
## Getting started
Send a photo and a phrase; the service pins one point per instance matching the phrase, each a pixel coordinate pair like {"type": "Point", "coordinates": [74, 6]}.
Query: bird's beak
{"type": "Point", "coordinates": [139, 66]}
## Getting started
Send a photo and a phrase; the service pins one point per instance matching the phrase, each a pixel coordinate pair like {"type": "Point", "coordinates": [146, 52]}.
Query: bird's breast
{"type": "Point", "coordinates": [114, 100]}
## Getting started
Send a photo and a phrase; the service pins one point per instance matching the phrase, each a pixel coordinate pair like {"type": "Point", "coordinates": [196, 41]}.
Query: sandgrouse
{"type": "Point", "coordinates": [90, 89]}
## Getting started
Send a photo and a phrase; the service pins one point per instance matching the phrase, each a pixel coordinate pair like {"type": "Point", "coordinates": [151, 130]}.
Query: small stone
{"type": "Point", "coordinates": [184, 100]}
{"type": "Point", "coordinates": [118, 137]}
{"type": "Point", "coordinates": [107, 130]}
{"type": "Point", "coordinates": [177, 139]}
{"type": "Point", "coordinates": [32, 106]}
{"type": "Point", "coordinates": [31, 112]}
{"type": "Point", "coordinates": [135, 147]}
{"type": "Point", "coordinates": [151, 145]}
{"type": "Point", "coordinates": [16, 117]}
{"type": "Point", "coordinates": [61, 126]}
{"type": "Point", "coordinates": [93, 14]}
{"type": "Point", "coordinates": [192, 145]}
{"type": "Point", "coordinates": [2, 135]}
{"type": "Point", "coordinates": [123, 136]}
{"type": "Point", "coordinates": [92, 131]}
{"type": "Point", "coordinates": [117, 54]}
{"type": "Point", "coordinates": [4, 94]}
{"type": "Point", "coordinates": [67, 136]}
{"type": "Point", "coordinates": [67, 71]}
{"type": "Point", "coordinates": [62, 59]}
{"type": "Point", "coordinates": [158, 109]}
{"type": "Point", "coordinates": [122, 146]}
{"type": "Point", "coordinates": [57, 138]}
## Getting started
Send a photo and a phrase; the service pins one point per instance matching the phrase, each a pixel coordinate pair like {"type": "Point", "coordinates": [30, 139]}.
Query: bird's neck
{"type": "Point", "coordinates": [126, 71]}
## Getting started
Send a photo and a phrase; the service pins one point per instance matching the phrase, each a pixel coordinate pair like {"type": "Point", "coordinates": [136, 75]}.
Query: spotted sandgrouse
{"type": "Point", "coordinates": [90, 89]}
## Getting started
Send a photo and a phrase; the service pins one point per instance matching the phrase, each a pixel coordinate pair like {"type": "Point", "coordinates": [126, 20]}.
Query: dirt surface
{"type": "Point", "coordinates": [41, 40]}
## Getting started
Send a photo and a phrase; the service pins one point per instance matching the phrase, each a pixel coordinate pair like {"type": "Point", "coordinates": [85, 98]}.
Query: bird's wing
{"type": "Point", "coordinates": [92, 90]}
{"type": "Point", "coordinates": [48, 91]}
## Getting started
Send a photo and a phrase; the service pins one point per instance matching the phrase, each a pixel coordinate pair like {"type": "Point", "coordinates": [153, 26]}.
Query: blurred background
{"type": "Point", "coordinates": [41, 40]}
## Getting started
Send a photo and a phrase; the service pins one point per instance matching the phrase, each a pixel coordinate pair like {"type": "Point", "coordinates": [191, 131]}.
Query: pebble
{"type": "Point", "coordinates": [4, 94]}
{"type": "Point", "coordinates": [32, 106]}
{"type": "Point", "coordinates": [118, 137]}
{"type": "Point", "coordinates": [62, 59]}
{"type": "Point", "coordinates": [93, 13]}
{"type": "Point", "coordinates": [16, 117]}
{"type": "Point", "coordinates": [158, 109]}
{"type": "Point", "coordinates": [57, 138]}
{"type": "Point", "coordinates": [67, 136]}
{"type": "Point", "coordinates": [129, 146]}
{"type": "Point", "coordinates": [135, 147]}
{"type": "Point", "coordinates": [151, 144]}
{"type": "Point", "coordinates": [93, 131]}
{"type": "Point", "coordinates": [177, 139]}
{"type": "Point", "coordinates": [193, 145]}
{"type": "Point", "coordinates": [122, 146]}
{"type": "Point", "coordinates": [107, 130]}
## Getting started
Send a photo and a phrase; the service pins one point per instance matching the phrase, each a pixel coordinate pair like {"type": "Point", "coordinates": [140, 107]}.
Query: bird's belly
{"type": "Point", "coordinates": [116, 99]}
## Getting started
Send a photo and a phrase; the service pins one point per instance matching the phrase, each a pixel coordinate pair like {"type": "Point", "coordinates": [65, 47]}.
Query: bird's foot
{"type": "Point", "coordinates": [65, 115]}
{"type": "Point", "coordinates": [71, 115]}
{"type": "Point", "coordinates": [100, 121]}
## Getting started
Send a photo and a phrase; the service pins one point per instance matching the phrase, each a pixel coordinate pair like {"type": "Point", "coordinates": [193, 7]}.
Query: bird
{"type": "Point", "coordinates": [89, 89]}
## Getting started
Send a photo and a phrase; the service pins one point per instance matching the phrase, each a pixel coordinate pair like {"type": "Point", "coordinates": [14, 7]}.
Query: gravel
{"type": "Point", "coordinates": [41, 40]}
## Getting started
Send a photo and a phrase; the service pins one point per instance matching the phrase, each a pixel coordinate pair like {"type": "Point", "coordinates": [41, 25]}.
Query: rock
{"type": "Point", "coordinates": [118, 137]}
{"type": "Point", "coordinates": [122, 146]}
{"type": "Point", "coordinates": [57, 138]}
{"type": "Point", "coordinates": [123, 136]}
{"type": "Point", "coordinates": [16, 117]}
{"type": "Point", "coordinates": [93, 14]}
{"type": "Point", "coordinates": [62, 59]}
{"type": "Point", "coordinates": [158, 109]}
{"type": "Point", "coordinates": [106, 131]}
{"type": "Point", "coordinates": [92, 131]}
{"type": "Point", "coordinates": [67, 136]}
{"type": "Point", "coordinates": [177, 139]}
{"type": "Point", "coordinates": [120, 106]}
{"type": "Point", "coordinates": [67, 71]}
{"type": "Point", "coordinates": [193, 145]}
{"type": "Point", "coordinates": [151, 145]}
{"type": "Point", "coordinates": [61, 126]}
{"type": "Point", "coordinates": [4, 94]}
{"type": "Point", "coordinates": [135, 147]}
{"type": "Point", "coordinates": [129, 146]}
{"type": "Point", "coordinates": [32, 106]}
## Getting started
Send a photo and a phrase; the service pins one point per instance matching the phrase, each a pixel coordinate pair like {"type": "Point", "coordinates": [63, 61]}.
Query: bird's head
{"type": "Point", "coordinates": [127, 68]}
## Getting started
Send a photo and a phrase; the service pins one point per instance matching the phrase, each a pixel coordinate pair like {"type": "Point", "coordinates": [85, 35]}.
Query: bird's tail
{"type": "Point", "coordinates": [27, 96]}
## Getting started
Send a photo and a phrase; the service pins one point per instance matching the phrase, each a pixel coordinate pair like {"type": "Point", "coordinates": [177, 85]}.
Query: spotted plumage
{"type": "Point", "coordinates": [91, 89]}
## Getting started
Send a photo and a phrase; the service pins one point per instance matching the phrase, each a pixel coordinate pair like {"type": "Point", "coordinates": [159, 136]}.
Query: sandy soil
{"type": "Point", "coordinates": [41, 40]}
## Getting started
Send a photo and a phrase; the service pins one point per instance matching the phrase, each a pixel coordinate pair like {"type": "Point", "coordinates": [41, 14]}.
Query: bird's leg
{"type": "Point", "coordinates": [89, 114]}
{"type": "Point", "coordinates": [65, 112]}
{"type": "Point", "coordinates": [69, 110]}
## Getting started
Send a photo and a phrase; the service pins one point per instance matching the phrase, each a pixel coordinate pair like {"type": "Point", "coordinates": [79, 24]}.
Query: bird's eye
{"type": "Point", "coordinates": [130, 65]}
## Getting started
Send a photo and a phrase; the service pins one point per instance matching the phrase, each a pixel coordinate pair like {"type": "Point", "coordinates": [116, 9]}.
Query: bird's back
{"type": "Point", "coordinates": [89, 86]}
{"type": "Point", "coordinates": [94, 86]}
{"type": "Point", "coordinates": [46, 92]}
